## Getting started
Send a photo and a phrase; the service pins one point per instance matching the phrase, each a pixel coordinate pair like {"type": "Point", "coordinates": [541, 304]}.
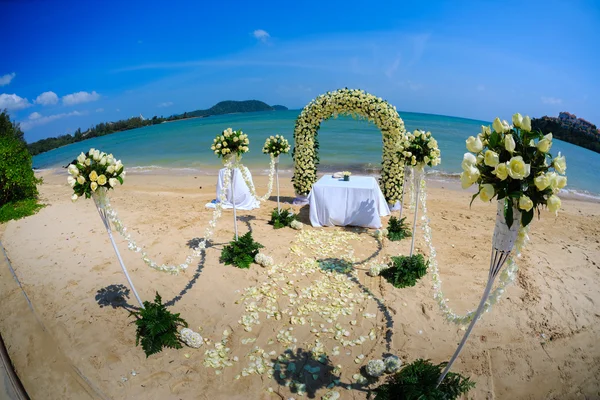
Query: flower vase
{"type": "Point", "coordinates": [100, 197]}
{"type": "Point", "coordinates": [503, 242]}
{"type": "Point", "coordinates": [346, 178]}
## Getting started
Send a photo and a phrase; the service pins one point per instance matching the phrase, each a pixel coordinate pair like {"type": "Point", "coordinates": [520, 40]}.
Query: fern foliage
{"type": "Point", "coordinates": [405, 270]}
{"type": "Point", "coordinates": [282, 219]}
{"type": "Point", "coordinates": [241, 252]}
{"type": "Point", "coordinates": [157, 327]}
{"type": "Point", "coordinates": [418, 381]}
{"type": "Point", "coordinates": [397, 229]}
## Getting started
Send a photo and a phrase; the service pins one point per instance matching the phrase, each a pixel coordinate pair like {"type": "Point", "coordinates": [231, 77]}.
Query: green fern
{"type": "Point", "coordinates": [282, 219]}
{"type": "Point", "coordinates": [418, 381]}
{"type": "Point", "coordinates": [397, 229]}
{"type": "Point", "coordinates": [241, 253]}
{"type": "Point", "coordinates": [405, 271]}
{"type": "Point", "coordinates": [157, 327]}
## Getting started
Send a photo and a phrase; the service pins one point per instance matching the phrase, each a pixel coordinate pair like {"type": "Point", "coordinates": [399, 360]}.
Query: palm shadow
{"type": "Point", "coordinates": [303, 373]}
{"type": "Point", "coordinates": [345, 267]}
{"type": "Point", "coordinates": [115, 296]}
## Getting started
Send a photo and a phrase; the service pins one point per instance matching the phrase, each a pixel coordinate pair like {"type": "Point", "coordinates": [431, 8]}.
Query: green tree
{"type": "Point", "coordinates": [17, 180]}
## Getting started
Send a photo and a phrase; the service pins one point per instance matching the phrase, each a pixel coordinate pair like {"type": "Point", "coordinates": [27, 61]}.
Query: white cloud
{"type": "Point", "coordinates": [165, 104]}
{"type": "Point", "coordinates": [13, 102]}
{"type": "Point", "coordinates": [99, 109]}
{"type": "Point", "coordinates": [551, 100]}
{"type": "Point", "coordinates": [261, 35]}
{"type": "Point", "coordinates": [47, 98]}
{"type": "Point", "coordinates": [5, 80]}
{"type": "Point", "coordinates": [80, 97]}
{"type": "Point", "coordinates": [36, 119]}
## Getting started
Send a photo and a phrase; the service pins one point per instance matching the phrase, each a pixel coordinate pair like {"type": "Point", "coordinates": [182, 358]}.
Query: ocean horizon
{"type": "Point", "coordinates": [345, 144]}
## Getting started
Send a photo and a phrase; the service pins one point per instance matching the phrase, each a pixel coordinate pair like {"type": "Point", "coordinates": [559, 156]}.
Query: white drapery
{"type": "Point", "coordinates": [243, 198]}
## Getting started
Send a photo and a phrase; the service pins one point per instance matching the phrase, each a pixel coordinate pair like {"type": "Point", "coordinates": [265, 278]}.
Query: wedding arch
{"type": "Point", "coordinates": [356, 103]}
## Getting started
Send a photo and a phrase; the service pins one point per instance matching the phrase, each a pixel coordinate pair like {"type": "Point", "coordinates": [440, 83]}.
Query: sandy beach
{"type": "Point", "coordinates": [75, 341]}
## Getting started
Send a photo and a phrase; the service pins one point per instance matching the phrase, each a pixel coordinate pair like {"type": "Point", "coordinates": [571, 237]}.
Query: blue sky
{"type": "Point", "coordinates": [70, 64]}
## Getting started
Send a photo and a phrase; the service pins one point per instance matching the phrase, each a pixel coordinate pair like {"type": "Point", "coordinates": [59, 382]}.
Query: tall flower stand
{"type": "Point", "coordinates": [502, 244]}
{"type": "Point", "coordinates": [101, 200]}
{"type": "Point", "coordinates": [406, 179]}
{"type": "Point", "coordinates": [229, 163]}
{"type": "Point", "coordinates": [277, 182]}
{"type": "Point", "coordinates": [417, 176]}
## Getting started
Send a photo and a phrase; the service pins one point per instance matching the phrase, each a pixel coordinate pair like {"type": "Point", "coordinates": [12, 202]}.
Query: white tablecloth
{"type": "Point", "coordinates": [357, 202]}
{"type": "Point", "coordinates": [243, 198]}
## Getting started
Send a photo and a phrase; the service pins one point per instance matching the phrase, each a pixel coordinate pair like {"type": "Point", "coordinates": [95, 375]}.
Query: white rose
{"type": "Point", "coordinates": [102, 180]}
{"type": "Point", "coordinates": [468, 161]}
{"type": "Point", "coordinates": [525, 203]}
{"type": "Point", "coordinates": [560, 164]}
{"type": "Point", "coordinates": [480, 159]}
{"type": "Point", "coordinates": [506, 126]}
{"type": "Point", "coordinates": [509, 143]}
{"type": "Point", "coordinates": [485, 130]}
{"type": "Point", "coordinates": [486, 192]}
{"type": "Point", "coordinates": [560, 181]}
{"type": "Point", "coordinates": [497, 125]}
{"type": "Point", "coordinates": [118, 166]}
{"type": "Point", "coordinates": [110, 169]}
{"type": "Point", "coordinates": [81, 158]}
{"type": "Point", "coordinates": [87, 162]}
{"type": "Point", "coordinates": [553, 204]}
{"type": "Point", "coordinates": [517, 119]}
{"type": "Point", "coordinates": [91, 152]}
{"type": "Point", "coordinates": [72, 181]}
{"type": "Point", "coordinates": [113, 182]}
{"type": "Point", "coordinates": [474, 144]}
{"type": "Point", "coordinates": [491, 158]}
{"type": "Point", "coordinates": [545, 144]}
{"type": "Point", "coordinates": [73, 170]}
{"type": "Point", "coordinates": [94, 186]}
{"type": "Point", "coordinates": [96, 156]}
{"type": "Point", "coordinates": [80, 179]}
{"type": "Point", "coordinates": [74, 197]}
{"type": "Point", "coordinates": [541, 182]}
{"type": "Point", "coordinates": [103, 161]}
{"type": "Point", "coordinates": [517, 169]}
{"type": "Point", "coordinates": [526, 124]}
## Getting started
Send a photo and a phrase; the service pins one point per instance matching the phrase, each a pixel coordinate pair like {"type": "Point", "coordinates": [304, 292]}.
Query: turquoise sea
{"type": "Point", "coordinates": [345, 144]}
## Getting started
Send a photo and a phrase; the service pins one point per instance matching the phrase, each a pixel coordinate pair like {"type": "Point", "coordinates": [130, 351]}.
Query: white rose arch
{"type": "Point", "coordinates": [356, 103]}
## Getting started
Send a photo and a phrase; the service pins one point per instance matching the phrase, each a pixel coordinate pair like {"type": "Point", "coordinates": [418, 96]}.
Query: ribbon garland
{"type": "Point", "coordinates": [249, 183]}
{"type": "Point", "coordinates": [507, 276]}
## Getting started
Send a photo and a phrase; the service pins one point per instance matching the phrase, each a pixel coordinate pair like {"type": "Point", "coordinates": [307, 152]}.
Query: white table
{"type": "Point", "coordinates": [243, 198]}
{"type": "Point", "coordinates": [357, 202]}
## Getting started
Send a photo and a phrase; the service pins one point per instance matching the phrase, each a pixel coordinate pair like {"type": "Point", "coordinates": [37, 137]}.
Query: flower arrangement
{"type": "Point", "coordinates": [514, 163]}
{"type": "Point", "coordinates": [276, 145]}
{"type": "Point", "coordinates": [93, 170]}
{"type": "Point", "coordinates": [348, 102]}
{"type": "Point", "coordinates": [230, 142]}
{"type": "Point", "coordinates": [346, 175]}
{"type": "Point", "coordinates": [297, 225]}
{"type": "Point", "coordinates": [375, 368]}
{"type": "Point", "coordinates": [420, 148]}
{"type": "Point", "coordinates": [263, 260]}
{"type": "Point", "coordinates": [191, 338]}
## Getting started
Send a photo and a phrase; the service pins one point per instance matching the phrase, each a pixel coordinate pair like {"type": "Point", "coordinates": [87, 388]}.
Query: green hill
{"type": "Point", "coordinates": [231, 107]}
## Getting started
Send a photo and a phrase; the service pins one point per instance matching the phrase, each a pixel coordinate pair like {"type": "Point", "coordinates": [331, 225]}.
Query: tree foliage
{"type": "Point", "coordinates": [17, 180]}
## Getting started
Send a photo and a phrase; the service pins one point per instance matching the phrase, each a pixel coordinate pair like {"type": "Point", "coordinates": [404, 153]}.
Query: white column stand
{"type": "Point", "coordinates": [233, 202]}
{"type": "Point", "coordinates": [277, 182]}
{"type": "Point", "coordinates": [417, 172]}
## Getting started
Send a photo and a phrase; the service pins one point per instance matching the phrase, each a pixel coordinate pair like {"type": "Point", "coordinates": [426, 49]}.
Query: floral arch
{"type": "Point", "coordinates": [356, 103]}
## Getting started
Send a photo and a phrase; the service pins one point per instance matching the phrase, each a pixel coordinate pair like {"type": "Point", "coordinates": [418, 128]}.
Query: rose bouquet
{"type": "Point", "coordinates": [513, 162]}
{"type": "Point", "coordinates": [92, 171]}
{"type": "Point", "coordinates": [276, 145]}
{"type": "Point", "coordinates": [419, 148]}
{"type": "Point", "coordinates": [230, 142]}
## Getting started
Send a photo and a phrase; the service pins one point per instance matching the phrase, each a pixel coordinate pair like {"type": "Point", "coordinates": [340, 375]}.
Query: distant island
{"type": "Point", "coordinates": [569, 128]}
{"type": "Point", "coordinates": [106, 128]}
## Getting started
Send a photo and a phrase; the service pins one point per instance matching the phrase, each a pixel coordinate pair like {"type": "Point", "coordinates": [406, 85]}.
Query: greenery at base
{"type": "Point", "coordinates": [157, 327]}
{"type": "Point", "coordinates": [282, 219]}
{"type": "Point", "coordinates": [397, 229]}
{"type": "Point", "coordinates": [19, 209]}
{"type": "Point", "coordinates": [406, 270]}
{"type": "Point", "coordinates": [241, 252]}
{"type": "Point", "coordinates": [17, 180]}
{"type": "Point", "coordinates": [417, 381]}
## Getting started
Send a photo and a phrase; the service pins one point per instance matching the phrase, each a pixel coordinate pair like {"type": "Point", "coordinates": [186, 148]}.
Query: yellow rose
{"type": "Point", "coordinates": [102, 180]}
{"type": "Point", "coordinates": [501, 171]}
{"type": "Point", "coordinates": [474, 144]}
{"type": "Point", "coordinates": [497, 125]}
{"type": "Point", "coordinates": [491, 158]}
{"type": "Point", "coordinates": [74, 197]}
{"type": "Point", "coordinates": [509, 143]}
{"type": "Point", "coordinates": [526, 124]}
{"type": "Point", "coordinates": [517, 120]}
{"type": "Point", "coordinates": [486, 192]}
{"type": "Point", "coordinates": [517, 169]}
{"type": "Point", "coordinates": [525, 203]}
{"type": "Point", "coordinates": [94, 186]}
{"type": "Point", "coordinates": [553, 204]}
{"type": "Point", "coordinates": [560, 164]}
{"type": "Point", "coordinates": [93, 176]}
{"type": "Point", "coordinates": [545, 144]}
{"type": "Point", "coordinates": [80, 179]}
{"type": "Point", "coordinates": [541, 182]}
{"type": "Point", "coordinates": [561, 181]}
